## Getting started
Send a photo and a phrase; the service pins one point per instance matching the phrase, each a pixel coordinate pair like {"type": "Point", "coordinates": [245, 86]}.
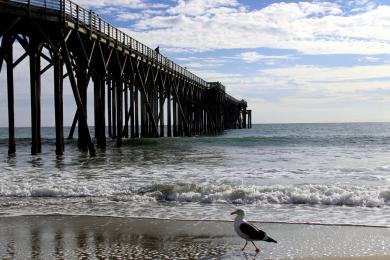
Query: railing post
{"type": "Point", "coordinates": [71, 10]}
{"type": "Point", "coordinates": [62, 10]}
{"type": "Point", "coordinates": [29, 7]}
{"type": "Point", "coordinates": [90, 20]}
{"type": "Point", "coordinates": [77, 16]}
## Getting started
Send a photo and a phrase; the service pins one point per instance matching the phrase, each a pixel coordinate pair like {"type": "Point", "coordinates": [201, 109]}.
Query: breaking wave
{"type": "Point", "coordinates": [312, 195]}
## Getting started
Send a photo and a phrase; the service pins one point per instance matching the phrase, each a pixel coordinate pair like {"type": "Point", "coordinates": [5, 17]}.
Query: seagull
{"type": "Point", "coordinates": [248, 231]}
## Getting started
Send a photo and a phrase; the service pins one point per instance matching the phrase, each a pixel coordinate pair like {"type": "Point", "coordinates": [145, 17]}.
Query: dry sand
{"type": "Point", "coordinates": [86, 237]}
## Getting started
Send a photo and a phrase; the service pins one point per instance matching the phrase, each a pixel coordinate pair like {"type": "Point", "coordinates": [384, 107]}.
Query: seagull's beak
{"type": "Point", "coordinates": [234, 212]}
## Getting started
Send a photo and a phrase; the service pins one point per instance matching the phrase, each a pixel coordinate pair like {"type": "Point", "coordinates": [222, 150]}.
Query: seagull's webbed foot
{"type": "Point", "coordinates": [257, 249]}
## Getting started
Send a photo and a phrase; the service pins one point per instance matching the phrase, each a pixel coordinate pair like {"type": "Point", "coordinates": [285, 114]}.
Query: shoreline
{"type": "Point", "coordinates": [72, 236]}
{"type": "Point", "coordinates": [191, 220]}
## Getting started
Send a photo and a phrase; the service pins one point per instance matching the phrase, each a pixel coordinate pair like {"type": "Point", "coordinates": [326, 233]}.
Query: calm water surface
{"type": "Point", "coordinates": [317, 173]}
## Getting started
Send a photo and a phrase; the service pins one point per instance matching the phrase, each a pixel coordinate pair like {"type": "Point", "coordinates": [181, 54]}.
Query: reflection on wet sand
{"type": "Point", "coordinates": [10, 250]}
{"type": "Point", "coordinates": [58, 245]}
{"type": "Point", "coordinates": [92, 237]}
{"type": "Point", "coordinates": [35, 244]}
{"type": "Point", "coordinates": [54, 238]}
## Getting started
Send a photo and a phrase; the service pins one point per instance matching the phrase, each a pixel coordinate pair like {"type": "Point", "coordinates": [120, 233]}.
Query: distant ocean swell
{"type": "Point", "coordinates": [250, 141]}
{"type": "Point", "coordinates": [330, 195]}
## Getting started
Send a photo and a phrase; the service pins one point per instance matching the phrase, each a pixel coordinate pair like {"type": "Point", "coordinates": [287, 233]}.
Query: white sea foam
{"type": "Point", "coordinates": [333, 195]}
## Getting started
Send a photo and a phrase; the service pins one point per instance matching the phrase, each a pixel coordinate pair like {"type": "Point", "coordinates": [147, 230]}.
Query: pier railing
{"type": "Point", "coordinates": [70, 11]}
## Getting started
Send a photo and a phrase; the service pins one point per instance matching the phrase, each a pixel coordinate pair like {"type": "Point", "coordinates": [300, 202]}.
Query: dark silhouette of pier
{"type": "Point", "coordinates": [144, 93]}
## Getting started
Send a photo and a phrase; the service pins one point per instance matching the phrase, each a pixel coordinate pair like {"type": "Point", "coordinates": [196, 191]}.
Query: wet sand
{"type": "Point", "coordinates": [87, 237]}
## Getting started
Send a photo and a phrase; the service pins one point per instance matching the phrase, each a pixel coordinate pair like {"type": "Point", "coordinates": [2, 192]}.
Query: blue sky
{"type": "Point", "coordinates": [293, 61]}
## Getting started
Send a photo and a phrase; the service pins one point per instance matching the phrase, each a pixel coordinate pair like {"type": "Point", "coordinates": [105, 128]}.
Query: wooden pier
{"type": "Point", "coordinates": [143, 93]}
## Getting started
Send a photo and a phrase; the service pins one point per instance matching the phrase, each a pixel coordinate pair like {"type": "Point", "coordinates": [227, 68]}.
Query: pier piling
{"type": "Point", "coordinates": [8, 42]}
{"type": "Point", "coordinates": [58, 103]}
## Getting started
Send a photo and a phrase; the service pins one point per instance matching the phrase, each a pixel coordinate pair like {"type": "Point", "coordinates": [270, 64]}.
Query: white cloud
{"type": "Point", "coordinates": [129, 4]}
{"type": "Point", "coordinates": [201, 7]}
{"type": "Point", "coordinates": [309, 84]}
{"type": "Point", "coordinates": [309, 28]}
{"type": "Point", "coordinates": [253, 56]}
{"type": "Point", "coordinates": [128, 16]}
{"type": "Point", "coordinates": [370, 59]}
{"type": "Point", "coordinates": [315, 74]}
{"type": "Point", "coordinates": [200, 62]}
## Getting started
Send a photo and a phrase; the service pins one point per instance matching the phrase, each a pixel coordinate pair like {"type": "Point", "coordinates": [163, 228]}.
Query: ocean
{"type": "Point", "coordinates": [294, 173]}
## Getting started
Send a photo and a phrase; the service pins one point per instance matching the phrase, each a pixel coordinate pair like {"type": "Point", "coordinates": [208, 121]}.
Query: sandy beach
{"type": "Point", "coordinates": [90, 237]}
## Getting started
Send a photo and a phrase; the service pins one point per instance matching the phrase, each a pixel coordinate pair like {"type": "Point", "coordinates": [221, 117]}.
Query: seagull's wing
{"type": "Point", "coordinates": [252, 231]}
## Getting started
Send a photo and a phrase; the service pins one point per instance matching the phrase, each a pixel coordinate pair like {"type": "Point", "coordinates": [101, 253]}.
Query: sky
{"type": "Point", "coordinates": [293, 61]}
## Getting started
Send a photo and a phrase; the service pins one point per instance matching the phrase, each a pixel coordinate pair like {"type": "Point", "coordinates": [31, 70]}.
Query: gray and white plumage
{"type": "Point", "coordinates": [248, 231]}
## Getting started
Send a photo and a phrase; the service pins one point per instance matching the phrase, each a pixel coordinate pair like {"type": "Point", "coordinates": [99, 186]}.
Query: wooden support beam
{"type": "Point", "coordinates": [156, 85]}
{"type": "Point", "coordinates": [96, 105]}
{"type": "Point", "coordinates": [109, 106]}
{"type": "Point", "coordinates": [136, 111]}
{"type": "Point", "coordinates": [83, 49]}
{"type": "Point", "coordinates": [244, 118]}
{"type": "Point", "coordinates": [73, 127]}
{"type": "Point", "coordinates": [132, 110]}
{"type": "Point", "coordinates": [122, 87]}
{"type": "Point", "coordinates": [1, 56]}
{"type": "Point", "coordinates": [119, 89]}
{"type": "Point", "coordinates": [102, 133]}
{"type": "Point", "coordinates": [126, 108]}
{"type": "Point", "coordinates": [20, 59]}
{"type": "Point", "coordinates": [113, 108]}
{"type": "Point", "coordinates": [58, 103]}
{"type": "Point", "coordinates": [211, 124]}
{"type": "Point", "coordinates": [84, 74]}
{"type": "Point", "coordinates": [240, 120]}
{"type": "Point", "coordinates": [82, 84]}
{"type": "Point", "coordinates": [45, 57]}
{"type": "Point", "coordinates": [249, 118]}
{"type": "Point", "coordinates": [146, 100]}
{"type": "Point", "coordinates": [142, 115]}
{"type": "Point", "coordinates": [99, 110]}
{"type": "Point", "coordinates": [8, 41]}
{"type": "Point", "coordinates": [161, 112]}
{"type": "Point", "coordinates": [181, 112]}
{"type": "Point", "coordinates": [23, 42]}
{"type": "Point", "coordinates": [46, 68]}
{"type": "Point", "coordinates": [204, 114]}
{"type": "Point", "coordinates": [11, 26]}
{"type": "Point", "coordinates": [68, 34]}
{"type": "Point", "coordinates": [169, 112]}
{"type": "Point", "coordinates": [174, 113]}
{"type": "Point", "coordinates": [80, 107]}
{"type": "Point", "coordinates": [35, 82]}
{"type": "Point", "coordinates": [179, 115]}
{"type": "Point", "coordinates": [45, 35]}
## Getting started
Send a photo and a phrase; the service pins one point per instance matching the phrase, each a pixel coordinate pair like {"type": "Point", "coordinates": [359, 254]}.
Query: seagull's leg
{"type": "Point", "coordinates": [246, 242]}
{"type": "Point", "coordinates": [257, 249]}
